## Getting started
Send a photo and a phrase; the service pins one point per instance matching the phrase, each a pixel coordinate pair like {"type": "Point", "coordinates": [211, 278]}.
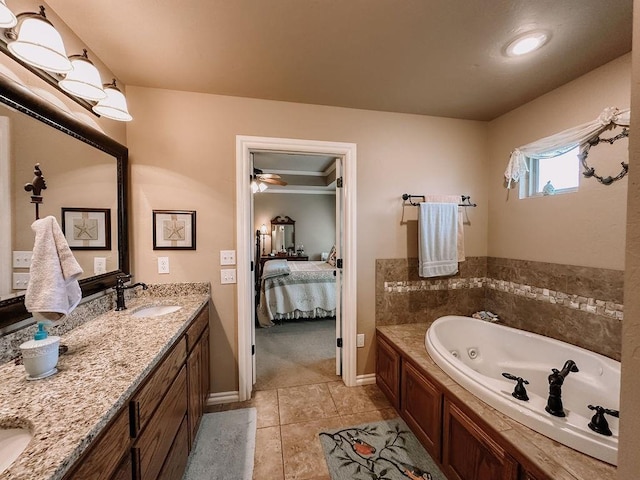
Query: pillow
{"type": "Point", "coordinates": [275, 268]}
{"type": "Point", "coordinates": [332, 257]}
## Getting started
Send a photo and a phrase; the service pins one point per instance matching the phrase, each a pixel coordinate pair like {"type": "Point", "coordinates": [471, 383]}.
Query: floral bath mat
{"type": "Point", "coordinates": [385, 450]}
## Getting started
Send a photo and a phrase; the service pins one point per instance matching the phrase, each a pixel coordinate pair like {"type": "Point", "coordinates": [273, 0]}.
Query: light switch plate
{"type": "Point", "coordinates": [20, 281]}
{"type": "Point", "coordinates": [360, 340]}
{"type": "Point", "coordinates": [99, 265]}
{"type": "Point", "coordinates": [22, 259]}
{"type": "Point", "coordinates": [163, 264]}
{"type": "Point", "coordinates": [228, 275]}
{"type": "Point", "coordinates": [227, 257]}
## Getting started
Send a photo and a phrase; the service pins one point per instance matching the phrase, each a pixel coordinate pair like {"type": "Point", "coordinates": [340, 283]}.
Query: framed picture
{"type": "Point", "coordinates": [87, 228]}
{"type": "Point", "coordinates": [174, 230]}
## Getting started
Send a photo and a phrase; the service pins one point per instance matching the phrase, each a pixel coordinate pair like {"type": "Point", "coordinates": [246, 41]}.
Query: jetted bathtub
{"type": "Point", "coordinates": [475, 353]}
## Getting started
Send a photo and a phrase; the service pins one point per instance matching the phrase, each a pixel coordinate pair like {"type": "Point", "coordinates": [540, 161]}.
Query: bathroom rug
{"type": "Point", "coordinates": [385, 449]}
{"type": "Point", "coordinates": [224, 446]}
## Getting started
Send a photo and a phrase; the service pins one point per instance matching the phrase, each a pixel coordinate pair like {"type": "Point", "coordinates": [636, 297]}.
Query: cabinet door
{"type": "Point", "coordinates": [125, 470]}
{"type": "Point", "coordinates": [104, 457]}
{"type": "Point", "coordinates": [469, 453]}
{"type": "Point", "coordinates": [176, 462]}
{"type": "Point", "coordinates": [388, 371]}
{"type": "Point", "coordinates": [421, 408]}
{"type": "Point", "coordinates": [206, 359]}
{"type": "Point", "coordinates": [155, 441]}
{"type": "Point", "coordinates": [194, 370]}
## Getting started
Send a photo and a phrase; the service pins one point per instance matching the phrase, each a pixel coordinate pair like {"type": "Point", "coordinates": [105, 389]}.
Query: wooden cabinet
{"type": "Point", "coordinates": [151, 437]}
{"type": "Point", "coordinates": [464, 448]}
{"type": "Point", "coordinates": [388, 371]}
{"type": "Point", "coordinates": [421, 408]}
{"type": "Point", "coordinates": [469, 453]}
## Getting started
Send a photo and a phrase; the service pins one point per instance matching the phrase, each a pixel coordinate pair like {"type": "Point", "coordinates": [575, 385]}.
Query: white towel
{"type": "Point", "coordinates": [53, 288]}
{"type": "Point", "coordinates": [452, 199]}
{"type": "Point", "coordinates": [438, 239]}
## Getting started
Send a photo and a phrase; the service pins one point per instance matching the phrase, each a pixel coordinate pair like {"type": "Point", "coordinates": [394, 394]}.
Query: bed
{"type": "Point", "coordinates": [290, 290]}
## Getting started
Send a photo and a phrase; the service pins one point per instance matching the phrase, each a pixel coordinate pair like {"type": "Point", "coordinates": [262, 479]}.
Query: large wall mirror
{"type": "Point", "coordinates": [84, 170]}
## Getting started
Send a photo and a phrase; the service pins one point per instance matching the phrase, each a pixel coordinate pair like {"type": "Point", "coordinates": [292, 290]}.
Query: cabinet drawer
{"type": "Point", "coordinates": [149, 396]}
{"type": "Point", "coordinates": [154, 443]}
{"type": "Point", "coordinates": [197, 327]}
{"type": "Point", "coordinates": [104, 457]}
{"type": "Point", "coordinates": [125, 470]}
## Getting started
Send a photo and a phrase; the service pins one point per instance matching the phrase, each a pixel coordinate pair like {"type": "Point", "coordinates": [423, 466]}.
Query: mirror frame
{"type": "Point", "coordinates": [286, 220]}
{"type": "Point", "coordinates": [14, 96]}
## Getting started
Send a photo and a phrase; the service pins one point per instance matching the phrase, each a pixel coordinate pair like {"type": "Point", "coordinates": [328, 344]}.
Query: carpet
{"type": "Point", "coordinates": [296, 352]}
{"type": "Point", "coordinates": [224, 446]}
{"type": "Point", "coordinates": [381, 450]}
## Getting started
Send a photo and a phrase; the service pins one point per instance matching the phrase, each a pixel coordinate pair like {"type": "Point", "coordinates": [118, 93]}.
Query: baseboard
{"type": "Point", "coordinates": [222, 397]}
{"type": "Point", "coordinates": [368, 379]}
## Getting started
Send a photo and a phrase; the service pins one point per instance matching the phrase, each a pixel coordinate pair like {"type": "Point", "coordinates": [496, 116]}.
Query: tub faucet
{"type": "Point", "coordinates": [121, 287]}
{"type": "Point", "coordinates": [556, 379]}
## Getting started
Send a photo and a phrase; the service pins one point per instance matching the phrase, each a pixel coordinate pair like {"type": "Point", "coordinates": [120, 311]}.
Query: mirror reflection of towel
{"type": "Point", "coordinates": [53, 288]}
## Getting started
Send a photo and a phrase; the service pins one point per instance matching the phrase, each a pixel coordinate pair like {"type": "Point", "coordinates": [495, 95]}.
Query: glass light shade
{"type": "Point", "coordinates": [263, 229]}
{"type": "Point", "coordinates": [526, 43]}
{"type": "Point", "coordinates": [39, 44]}
{"type": "Point", "coordinates": [114, 105]}
{"type": "Point", "coordinates": [262, 186]}
{"type": "Point", "coordinates": [7, 18]}
{"type": "Point", "coordinates": [84, 80]}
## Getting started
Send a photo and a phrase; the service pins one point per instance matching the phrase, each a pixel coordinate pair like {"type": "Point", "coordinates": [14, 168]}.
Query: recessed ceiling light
{"type": "Point", "coordinates": [526, 43]}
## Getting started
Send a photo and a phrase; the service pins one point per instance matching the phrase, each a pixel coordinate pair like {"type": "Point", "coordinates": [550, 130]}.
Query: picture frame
{"type": "Point", "coordinates": [87, 228]}
{"type": "Point", "coordinates": [174, 229]}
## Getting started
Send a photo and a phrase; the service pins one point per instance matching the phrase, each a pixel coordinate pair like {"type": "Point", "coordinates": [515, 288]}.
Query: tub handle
{"type": "Point", "coordinates": [519, 392]}
{"type": "Point", "coordinates": [598, 423]}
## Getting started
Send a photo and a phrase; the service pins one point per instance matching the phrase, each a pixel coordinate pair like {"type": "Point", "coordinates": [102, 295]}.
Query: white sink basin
{"type": "Point", "coordinates": [155, 310]}
{"type": "Point", "coordinates": [13, 441]}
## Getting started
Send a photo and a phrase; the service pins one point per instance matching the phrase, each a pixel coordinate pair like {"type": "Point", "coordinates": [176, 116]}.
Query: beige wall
{"type": "Point", "coordinates": [586, 228]}
{"type": "Point", "coordinates": [628, 458]}
{"type": "Point", "coordinates": [182, 149]}
{"type": "Point", "coordinates": [315, 217]}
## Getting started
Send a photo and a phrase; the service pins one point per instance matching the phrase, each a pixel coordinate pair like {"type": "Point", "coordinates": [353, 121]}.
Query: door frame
{"type": "Point", "coordinates": [245, 238]}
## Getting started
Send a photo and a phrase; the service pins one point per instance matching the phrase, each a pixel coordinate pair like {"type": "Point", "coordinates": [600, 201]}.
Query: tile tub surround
{"type": "Point", "coordinates": [108, 358]}
{"type": "Point", "coordinates": [578, 305]}
{"type": "Point", "coordinates": [89, 309]}
{"type": "Point", "coordinates": [554, 459]}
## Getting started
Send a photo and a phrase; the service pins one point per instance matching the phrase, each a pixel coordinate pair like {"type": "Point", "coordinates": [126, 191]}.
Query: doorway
{"type": "Point", "coordinates": [345, 197]}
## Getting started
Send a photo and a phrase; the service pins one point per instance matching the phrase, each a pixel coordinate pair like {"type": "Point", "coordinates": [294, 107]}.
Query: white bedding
{"type": "Point", "coordinates": [308, 291]}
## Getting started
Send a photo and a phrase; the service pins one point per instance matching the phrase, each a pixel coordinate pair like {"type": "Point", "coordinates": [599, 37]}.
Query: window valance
{"type": "Point", "coordinates": [563, 142]}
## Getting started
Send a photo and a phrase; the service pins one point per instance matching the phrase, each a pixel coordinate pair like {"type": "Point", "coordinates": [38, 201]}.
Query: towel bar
{"type": "Point", "coordinates": [466, 200]}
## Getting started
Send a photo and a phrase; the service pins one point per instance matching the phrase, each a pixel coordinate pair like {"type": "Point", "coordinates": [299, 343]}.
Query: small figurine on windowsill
{"type": "Point", "coordinates": [548, 189]}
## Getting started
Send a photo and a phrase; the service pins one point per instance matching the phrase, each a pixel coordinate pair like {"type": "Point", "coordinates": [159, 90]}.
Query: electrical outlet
{"type": "Point", "coordinates": [22, 259]}
{"type": "Point", "coordinates": [20, 281]}
{"type": "Point", "coordinates": [163, 264]}
{"type": "Point", "coordinates": [360, 340]}
{"type": "Point", "coordinates": [228, 275]}
{"type": "Point", "coordinates": [99, 265]}
{"type": "Point", "coordinates": [227, 257]}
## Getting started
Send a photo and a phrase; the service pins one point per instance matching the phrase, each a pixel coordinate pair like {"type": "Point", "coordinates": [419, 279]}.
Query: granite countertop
{"type": "Point", "coordinates": [108, 358]}
{"type": "Point", "coordinates": [554, 459]}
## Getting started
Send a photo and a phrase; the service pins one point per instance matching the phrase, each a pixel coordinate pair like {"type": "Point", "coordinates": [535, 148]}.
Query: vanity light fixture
{"type": "Point", "coordinates": [526, 43]}
{"type": "Point", "coordinates": [7, 18]}
{"type": "Point", "coordinates": [35, 41]}
{"type": "Point", "coordinates": [114, 105]}
{"type": "Point", "coordinates": [84, 80]}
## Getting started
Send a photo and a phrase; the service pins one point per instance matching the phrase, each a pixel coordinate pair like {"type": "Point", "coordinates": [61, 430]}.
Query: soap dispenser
{"type": "Point", "coordinates": [40, 355]}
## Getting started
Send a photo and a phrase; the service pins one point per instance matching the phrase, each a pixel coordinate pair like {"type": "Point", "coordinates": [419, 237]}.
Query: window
{"type": "Point", "coordinates": [552, 176]}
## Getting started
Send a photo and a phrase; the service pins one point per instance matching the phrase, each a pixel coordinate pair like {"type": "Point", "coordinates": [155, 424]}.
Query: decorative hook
{"type": "Point", "coordinates": [38, 184]}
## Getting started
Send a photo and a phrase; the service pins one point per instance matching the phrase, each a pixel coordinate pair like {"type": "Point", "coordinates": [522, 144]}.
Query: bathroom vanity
{"type": "Point", "coordinates": [126, 401]}
{"type": "Point", "coordinates": [467, 438]}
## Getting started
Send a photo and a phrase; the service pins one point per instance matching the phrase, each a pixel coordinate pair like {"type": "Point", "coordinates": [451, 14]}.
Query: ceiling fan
{"type": "Point", "coordinates": [271, 178]}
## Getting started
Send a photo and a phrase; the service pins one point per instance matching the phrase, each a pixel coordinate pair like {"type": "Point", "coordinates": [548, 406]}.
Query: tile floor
{"type": "Point", "coordinates": [290, 418]}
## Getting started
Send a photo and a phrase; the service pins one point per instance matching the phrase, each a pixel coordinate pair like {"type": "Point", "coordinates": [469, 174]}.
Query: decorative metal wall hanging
{"type": "Point", "coordinates": [590, 171]}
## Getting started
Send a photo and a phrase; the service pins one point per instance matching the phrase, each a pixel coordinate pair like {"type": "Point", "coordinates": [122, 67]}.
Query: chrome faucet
{"type": "Point", "coordinates": [556, 379]}
{"type": "Point", "coordinates": [121, 287]}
